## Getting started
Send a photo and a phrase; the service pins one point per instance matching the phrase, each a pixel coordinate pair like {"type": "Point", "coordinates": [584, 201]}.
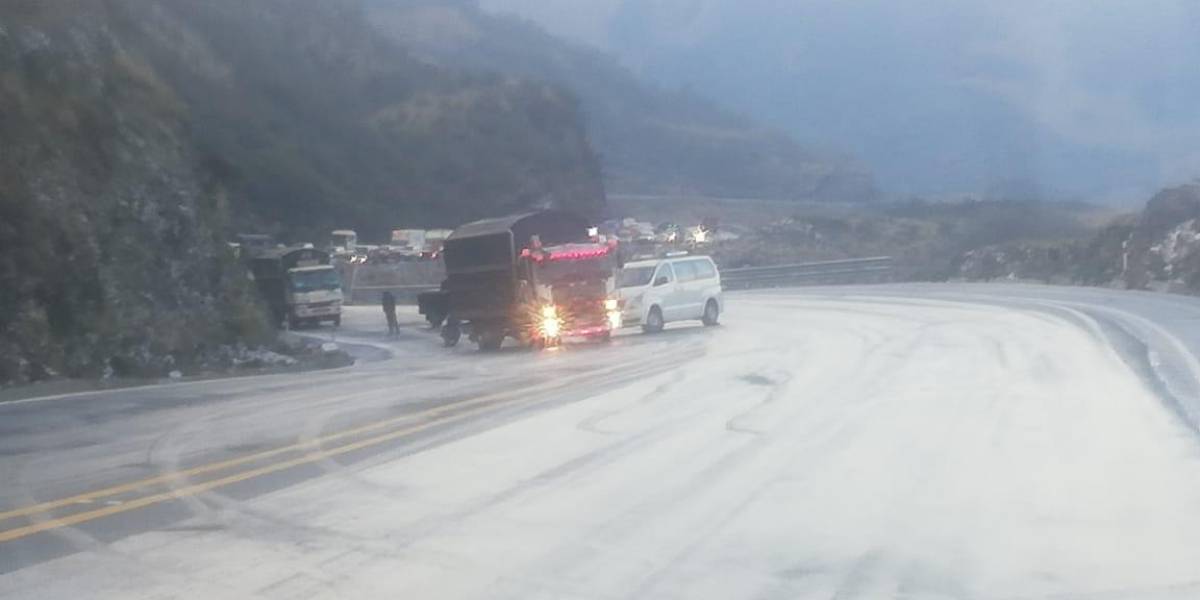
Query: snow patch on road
{"type": "Point", "coordinates": [823, 447]}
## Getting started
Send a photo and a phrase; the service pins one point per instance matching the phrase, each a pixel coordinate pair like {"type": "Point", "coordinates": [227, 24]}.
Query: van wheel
{"type": "Point", "coordinates": [712, 314]}
{"type": "Point", "coordinates": [654, 321]}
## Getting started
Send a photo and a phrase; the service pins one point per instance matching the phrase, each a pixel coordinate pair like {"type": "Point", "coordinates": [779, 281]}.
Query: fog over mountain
{"type": "Point", "coordinates": [1086, 98]}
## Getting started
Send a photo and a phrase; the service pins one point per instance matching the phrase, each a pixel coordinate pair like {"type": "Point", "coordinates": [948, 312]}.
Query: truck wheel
{"type": "Point", "coordinates": [490, 341]}
{"type": "Point", "coordinates": [435, 320]}
{"type": "Point", "coordinates": [654, 321]}
{"type": "Point", "coordinates": [712, 314]}
{"type": "Point", "coordinates": [451, 333]}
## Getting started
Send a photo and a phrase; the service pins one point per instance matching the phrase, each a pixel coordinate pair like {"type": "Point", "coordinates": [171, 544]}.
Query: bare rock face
{"type": "Point", "coordinates": [137, 137]}
{"type": "Point", "coordinates": [113, 257]}
{"type": "Point", "coordinates": [1164, 246]}
{"type": "Point", "coordinates": [1157, 249]}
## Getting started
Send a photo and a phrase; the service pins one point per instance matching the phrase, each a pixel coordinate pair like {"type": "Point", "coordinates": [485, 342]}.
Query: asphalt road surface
{"type": "Point", "coordinates": [861, 442]}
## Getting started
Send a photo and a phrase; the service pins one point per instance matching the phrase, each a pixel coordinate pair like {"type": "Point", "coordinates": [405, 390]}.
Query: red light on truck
{"type": "Point", "coordinates": [578, 254]}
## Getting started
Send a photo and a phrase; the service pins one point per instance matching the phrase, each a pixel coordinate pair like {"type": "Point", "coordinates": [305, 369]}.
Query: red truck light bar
{"type": "Point", "coordinates": [577, 254]}
{"type": "Point", "coordinates": [566, 253]}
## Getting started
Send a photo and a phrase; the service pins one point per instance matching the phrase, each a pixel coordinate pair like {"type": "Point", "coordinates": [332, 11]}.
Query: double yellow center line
{"type": "Point", "coordinates": [314, 450]}
{"type": "Point", "coordinates": [443, 415]}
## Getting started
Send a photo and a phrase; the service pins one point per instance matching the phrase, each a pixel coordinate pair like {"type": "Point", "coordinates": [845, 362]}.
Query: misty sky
{"type": "Point", "coordinates": [1093, 98]}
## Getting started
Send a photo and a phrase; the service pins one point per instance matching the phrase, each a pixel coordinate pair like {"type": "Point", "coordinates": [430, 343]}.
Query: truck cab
{"type": "Point", "coordinates": [573, 287]}
{"type": "Point", "coordinates": [535, 277]}
{"type": "Point", "coordinates": [343, 243]}
{"type": "Point", "coordinates": [314, 294]}
{"type": "Point", "coordinates": [299, 285]}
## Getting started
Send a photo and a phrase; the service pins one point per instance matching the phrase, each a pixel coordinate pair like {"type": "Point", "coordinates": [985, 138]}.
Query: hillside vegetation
{"type": "Point", "coordinates": [651, 141]}
{"type": "Point", "coordinates": [315, 119]}
{"type": "Point", "coordinates": [137, 136]}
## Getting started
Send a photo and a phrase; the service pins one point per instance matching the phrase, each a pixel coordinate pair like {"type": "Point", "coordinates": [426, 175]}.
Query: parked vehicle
{"type": "Point", "coordinates": [299, 285]}
{"type": "Point", "coordinates": [435, 240]}
{"type": "Point", "coordinates": [536, 277]}
{"type": "Point", "coordinates": [343, 243]}
{"type": "Point", "coordinates": [253, 244]}
{"type": "Point", "coordinates": [659, 291]}
{"type": "Point", "coordinates": [407, 244]}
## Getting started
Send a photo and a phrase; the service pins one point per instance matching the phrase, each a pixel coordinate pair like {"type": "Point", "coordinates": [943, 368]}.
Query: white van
{"type": "Point", "coordinates": [656, 292]}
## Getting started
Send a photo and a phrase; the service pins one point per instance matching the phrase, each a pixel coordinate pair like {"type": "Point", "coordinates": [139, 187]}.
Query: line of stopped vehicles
{"type": "Point", "coordinates": [538, 278]}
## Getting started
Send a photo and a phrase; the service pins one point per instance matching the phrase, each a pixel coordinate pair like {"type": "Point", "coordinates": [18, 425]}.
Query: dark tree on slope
{"type": "Point", "coordinates": [138, 134]}
{"type": "Point", "coordinates": [112, 256]}
{"type": "Point", "coordinates": [316, 121]}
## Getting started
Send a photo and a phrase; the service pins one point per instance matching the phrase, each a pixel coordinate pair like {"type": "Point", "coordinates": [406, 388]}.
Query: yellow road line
{"type": "Point", "coordinates": [83, 517]}
{"type": "Point", "coordinates": [202, 469]}
{"type": "Point", "coordinates": [191, 490]}
{"type": "Point", "coordinates": [241, 460]}
{"type": "Point", "coordinates": [249, 458]}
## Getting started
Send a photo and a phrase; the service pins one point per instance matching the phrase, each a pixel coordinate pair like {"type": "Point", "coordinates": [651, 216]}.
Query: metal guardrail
{"type": "Point", "coordinates": [373, 294]}
{"type": "Point", "coordinates": [365, 284]}
{"type": "Point", "coordinates": [834, 272]}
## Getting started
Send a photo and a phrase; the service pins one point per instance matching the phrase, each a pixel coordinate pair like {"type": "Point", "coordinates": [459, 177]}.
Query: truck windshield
{"type": "Point", "coordinates": [635, 277]}
{"type": "Point", "coordinates": [564, 271]}
{"type": "Point", "coordinates": [311, 281]}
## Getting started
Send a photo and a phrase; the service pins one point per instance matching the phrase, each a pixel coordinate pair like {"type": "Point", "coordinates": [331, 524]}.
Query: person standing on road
{"type": "Point", "coordinates": [389, 311]}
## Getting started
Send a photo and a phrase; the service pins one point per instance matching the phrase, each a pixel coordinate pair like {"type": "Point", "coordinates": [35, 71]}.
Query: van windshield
{"type": "Point", "coordinates": [635, 277]}
{"type": "Point", "coordinates": [311, 281]}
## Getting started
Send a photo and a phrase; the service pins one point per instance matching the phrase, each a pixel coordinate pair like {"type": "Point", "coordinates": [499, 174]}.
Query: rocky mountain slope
{"type": "Point", "coordinates": [137, 136]}
{"type": "Point", "coordinates": [316, 119]}
{"type": "Point", "coordinates": [1157, 249]}
{"type": "Point", "coordinates": [651, 141]}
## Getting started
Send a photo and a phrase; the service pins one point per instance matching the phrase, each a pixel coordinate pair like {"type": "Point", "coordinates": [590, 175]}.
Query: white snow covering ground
{"type": "Point", "coordinates": [825, 446]}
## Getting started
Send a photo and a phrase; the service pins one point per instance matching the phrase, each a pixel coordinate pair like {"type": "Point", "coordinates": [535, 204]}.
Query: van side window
{"type": "Point", "coordinates": [665, 270]}
{"type": "Point", "coordinates": [686, 271]}
{"type": "Point", "coordinates": [705, 269]}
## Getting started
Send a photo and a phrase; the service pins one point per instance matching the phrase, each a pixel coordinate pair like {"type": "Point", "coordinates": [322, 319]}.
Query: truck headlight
{"type": "Point", "coordinates": [611, 304]}
{"type": "Point", "coordinates": [551, 325]}
{"type": "Point", "coordinates": [551, 328]}
{"type": "Point", "coordinates": [614, 319]}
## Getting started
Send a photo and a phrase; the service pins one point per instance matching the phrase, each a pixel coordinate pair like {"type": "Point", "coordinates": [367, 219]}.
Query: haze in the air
{"type": "Point", "coordinates": [1093, 99]}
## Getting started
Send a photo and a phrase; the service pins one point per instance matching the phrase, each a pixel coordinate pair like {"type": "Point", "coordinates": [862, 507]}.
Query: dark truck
{"type": "Point", "coordinates": [299, 285]}
{"type": "Point", "coordinates": [536, 277]}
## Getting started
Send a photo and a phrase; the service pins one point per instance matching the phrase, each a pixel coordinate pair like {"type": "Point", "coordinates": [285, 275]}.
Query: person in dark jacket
{"type": "Point", "coordinates": [389, 311]}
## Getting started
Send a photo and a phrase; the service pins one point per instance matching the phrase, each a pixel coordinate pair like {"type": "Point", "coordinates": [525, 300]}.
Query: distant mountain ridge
{"type": "Point", "coordinates": [1091, 100]}
{"type": "Point", "coordinates": [651, 141]}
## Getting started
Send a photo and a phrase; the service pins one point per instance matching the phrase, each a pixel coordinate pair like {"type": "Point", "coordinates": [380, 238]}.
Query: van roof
{"type": "Point", "coordinates": [654, 262]}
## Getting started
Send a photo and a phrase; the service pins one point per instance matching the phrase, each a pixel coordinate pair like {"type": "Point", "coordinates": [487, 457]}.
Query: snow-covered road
{"type": "Point", "coordinates": [891, 442]}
